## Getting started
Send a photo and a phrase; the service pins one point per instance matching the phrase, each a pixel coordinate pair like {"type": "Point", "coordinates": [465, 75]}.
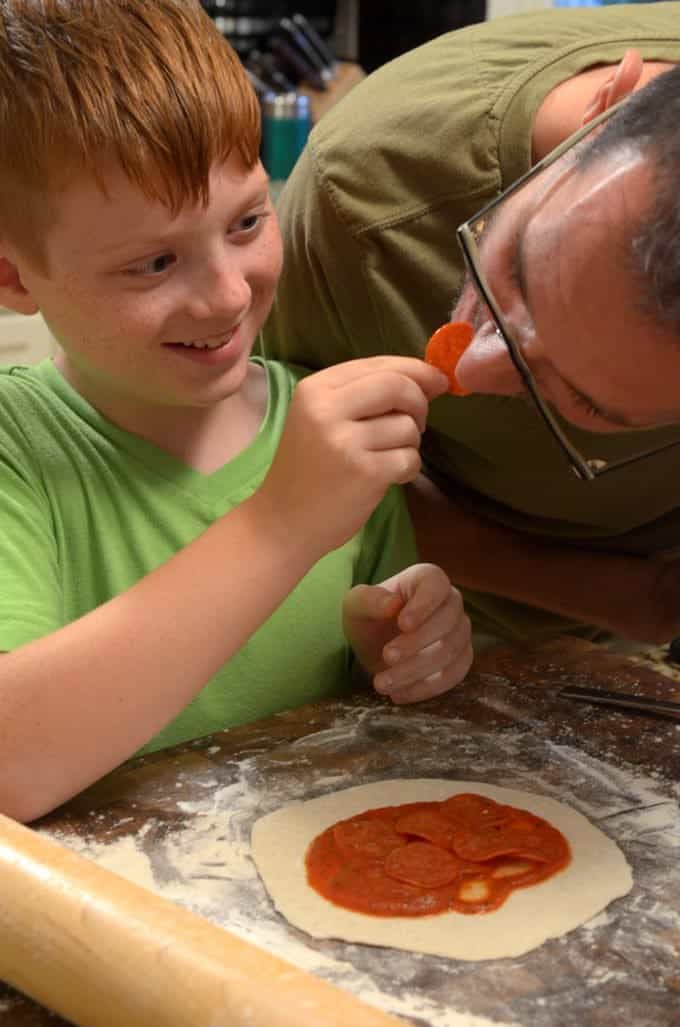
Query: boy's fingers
{"type": "Point", "coordinates": [432, 670]}
{"type": "Point", "coordinates": [432, 381]}
{"type": "Point", "coordinates": [371, 602]}
{"type": "Point", "coordinates": [437, 683]}
{"type": "Point", "coordinates": [448, 618]}
{"type": "Point", "coordinates": [431, 589]}
{"type": "Point", "coordinates": [429, 688]}
{"type": "Point", "coordinates": [378, 394]}
{"type": "Point", "coordinates": [389, 431]}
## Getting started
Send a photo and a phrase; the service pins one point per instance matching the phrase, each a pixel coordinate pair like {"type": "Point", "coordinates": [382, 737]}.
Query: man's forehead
{"type": "Point", "coordinates": [611, 193]}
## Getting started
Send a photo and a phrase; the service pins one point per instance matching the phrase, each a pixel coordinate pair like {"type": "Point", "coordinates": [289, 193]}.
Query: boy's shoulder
{"type": "Point", "coordinates": [33, 420]}
{"type": "Point", "coordinates": [25, 390]}
{"type": "Point", "coordinates": [18, 379]}
{"type": "Point", "coordinates": [22, 386]}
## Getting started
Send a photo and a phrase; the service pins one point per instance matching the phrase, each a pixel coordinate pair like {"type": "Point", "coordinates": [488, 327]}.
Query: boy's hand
{"type": "Point", "coordinates": [411, 633]}
{"type": "Point", "coordinates": [352, 431]}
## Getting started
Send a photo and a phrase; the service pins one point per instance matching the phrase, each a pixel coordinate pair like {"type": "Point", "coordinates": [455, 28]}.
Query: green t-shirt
{"type": "Point", "coordinates": [87, 509]}
{"type": "Point", "coordinates": [372, 266]}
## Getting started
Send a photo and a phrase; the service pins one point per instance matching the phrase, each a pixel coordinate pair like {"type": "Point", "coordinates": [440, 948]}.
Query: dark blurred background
{"type": "Point", "coordinates": [248, 23]}
{"type": "Point", "coordinates": [387, 28]}
{"type": "Point", "coordinates": [370, 32]}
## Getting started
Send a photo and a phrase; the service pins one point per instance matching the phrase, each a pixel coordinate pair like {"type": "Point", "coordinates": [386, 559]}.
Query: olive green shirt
{"type": "Point", "coordinates": [372, 266]}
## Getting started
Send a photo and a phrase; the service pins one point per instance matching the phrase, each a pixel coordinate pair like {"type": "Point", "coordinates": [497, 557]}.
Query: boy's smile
{"type": "Point", "coordinates": [206, 351]}
{"type": "Point", "coordinates": [156, 314]}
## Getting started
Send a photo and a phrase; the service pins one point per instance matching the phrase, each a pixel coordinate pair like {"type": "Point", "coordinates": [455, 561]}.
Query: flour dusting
{"type": "Point", "coordinates": [202, 861]}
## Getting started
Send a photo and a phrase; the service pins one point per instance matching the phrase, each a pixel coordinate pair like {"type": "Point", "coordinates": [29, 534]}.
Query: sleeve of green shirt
{"type": "Point", "coordinates": [388, 541]}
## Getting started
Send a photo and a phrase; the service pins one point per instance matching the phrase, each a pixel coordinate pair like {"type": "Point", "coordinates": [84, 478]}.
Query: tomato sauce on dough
{"type": "Point", "coordinates": [465, 854]}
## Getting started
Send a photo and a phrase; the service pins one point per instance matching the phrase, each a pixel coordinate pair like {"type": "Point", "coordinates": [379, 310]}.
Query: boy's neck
{"type": "Point", "coordinates": [203, 438]}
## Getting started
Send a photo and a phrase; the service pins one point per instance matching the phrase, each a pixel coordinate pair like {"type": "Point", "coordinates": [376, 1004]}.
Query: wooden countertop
{"type": "Point", "coordinates": [506, 725]}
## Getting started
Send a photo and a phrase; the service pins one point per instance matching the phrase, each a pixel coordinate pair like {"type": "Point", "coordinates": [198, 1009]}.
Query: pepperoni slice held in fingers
{"type": "Point", "coordinates": [446, 347]}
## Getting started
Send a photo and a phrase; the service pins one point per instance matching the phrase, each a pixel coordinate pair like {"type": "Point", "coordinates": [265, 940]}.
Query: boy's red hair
{"type": "Point", "coordinates": [150, 84]}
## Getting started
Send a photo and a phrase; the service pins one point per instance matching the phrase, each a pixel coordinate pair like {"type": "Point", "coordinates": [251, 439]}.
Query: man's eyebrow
{"type": "Point", "coordinates": [519, 263]}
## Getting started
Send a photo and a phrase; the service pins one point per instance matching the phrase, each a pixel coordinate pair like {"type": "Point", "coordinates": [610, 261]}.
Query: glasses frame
{"type": "Point", "coordinates": [583, 468]}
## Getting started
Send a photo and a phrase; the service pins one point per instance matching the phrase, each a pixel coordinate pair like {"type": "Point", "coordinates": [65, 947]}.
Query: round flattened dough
{"type": "Point", "coordinates": [597, 874]}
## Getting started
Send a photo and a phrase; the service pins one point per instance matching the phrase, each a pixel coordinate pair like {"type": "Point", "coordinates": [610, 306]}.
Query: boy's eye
{"type": "Point", "coordinates": [249, 223]}
{"type": "Point", "coordinates": [154, 266]}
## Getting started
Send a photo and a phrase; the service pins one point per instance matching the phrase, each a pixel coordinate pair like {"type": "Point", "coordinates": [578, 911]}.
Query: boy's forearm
{"type": "Point", "coordinates": [616, 592]}
{"type": "Point", "coordinates": [77, 703]}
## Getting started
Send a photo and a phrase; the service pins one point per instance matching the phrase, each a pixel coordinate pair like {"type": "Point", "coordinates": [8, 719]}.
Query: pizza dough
{"type": "Point", "coordinates": [597, 874]}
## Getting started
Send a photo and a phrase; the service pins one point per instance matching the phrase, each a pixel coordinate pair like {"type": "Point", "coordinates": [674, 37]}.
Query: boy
{"type": "Point", "coordinates": [154, 513]}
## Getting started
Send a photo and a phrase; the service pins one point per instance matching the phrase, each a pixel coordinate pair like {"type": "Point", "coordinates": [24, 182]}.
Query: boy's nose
{"type": "Point", "coordinates": [486, 367]}
{"type": "Point", "coordinates": [221, 291]}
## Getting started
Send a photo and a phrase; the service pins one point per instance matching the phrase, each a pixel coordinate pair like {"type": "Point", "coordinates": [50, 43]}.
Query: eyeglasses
{"type": "Point", "coordinates": [468, 235]}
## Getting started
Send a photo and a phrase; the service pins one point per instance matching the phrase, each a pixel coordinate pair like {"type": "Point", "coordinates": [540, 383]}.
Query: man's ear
{"type": "Point", "coordinates": [619, 83]}
{"type": "Point", "coordinates": [13, 294]}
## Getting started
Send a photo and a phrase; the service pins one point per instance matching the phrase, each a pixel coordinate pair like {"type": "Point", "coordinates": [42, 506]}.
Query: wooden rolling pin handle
{"type": "Point", "coordinates": [103, 952]}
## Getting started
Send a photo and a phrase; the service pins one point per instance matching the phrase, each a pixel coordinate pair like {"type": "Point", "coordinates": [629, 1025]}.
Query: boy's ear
{"type": "Point", "coordinates": [620, 83]}
{"type": "Point", "coordinates": [13, 294]}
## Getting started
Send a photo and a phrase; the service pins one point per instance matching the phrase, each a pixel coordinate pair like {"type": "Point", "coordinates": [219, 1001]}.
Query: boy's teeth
{"type": "Point", "coordinates": [204, 345]}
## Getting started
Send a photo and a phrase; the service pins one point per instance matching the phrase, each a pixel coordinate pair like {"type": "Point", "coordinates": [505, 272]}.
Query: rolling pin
{"type": "Point", "coordinates": [103, 952]}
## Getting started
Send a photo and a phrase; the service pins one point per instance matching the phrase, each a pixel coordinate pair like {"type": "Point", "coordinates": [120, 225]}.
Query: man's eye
{"type": "Point", "coordinates": [586, 407]}
{"type": "Point", "coordinates": [154, 266]}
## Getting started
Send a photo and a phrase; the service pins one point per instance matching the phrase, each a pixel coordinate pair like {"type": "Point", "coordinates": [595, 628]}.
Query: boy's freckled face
{"type": "Point", "coordinates": [128, 285]}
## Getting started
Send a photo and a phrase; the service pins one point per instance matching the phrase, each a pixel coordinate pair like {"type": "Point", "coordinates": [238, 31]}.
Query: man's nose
{"type": "Point", "coordinates": [486, 367]}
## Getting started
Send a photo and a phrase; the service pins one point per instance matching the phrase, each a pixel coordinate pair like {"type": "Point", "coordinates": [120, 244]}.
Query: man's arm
{"type": "Point", "coordinates": [635, 597]}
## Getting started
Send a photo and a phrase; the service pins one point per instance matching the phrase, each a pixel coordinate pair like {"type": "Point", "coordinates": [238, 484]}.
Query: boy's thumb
{"type": "Point", "coordinates": [372, 602]}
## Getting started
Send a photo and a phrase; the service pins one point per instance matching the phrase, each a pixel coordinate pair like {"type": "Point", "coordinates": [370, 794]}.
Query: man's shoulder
{"type": "Point", "coordinates": [442, 128]}
{"type": "Point", "coordinates": [458, 77]}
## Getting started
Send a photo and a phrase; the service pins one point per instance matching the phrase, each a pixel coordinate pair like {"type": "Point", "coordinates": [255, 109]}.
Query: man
{"type": "Point", "coordinates": [369, 219]}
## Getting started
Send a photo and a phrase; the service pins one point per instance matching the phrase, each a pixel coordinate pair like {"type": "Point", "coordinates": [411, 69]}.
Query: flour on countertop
{"type": "Point", "coordinates": [206, 866]}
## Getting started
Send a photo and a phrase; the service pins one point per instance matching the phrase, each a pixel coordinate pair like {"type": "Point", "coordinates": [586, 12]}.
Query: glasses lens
{"type": "Point", "coordinates": [494, 265]}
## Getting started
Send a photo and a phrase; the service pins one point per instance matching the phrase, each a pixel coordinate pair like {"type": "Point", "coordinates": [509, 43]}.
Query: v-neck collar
{"type": "Point", "coordinates": [245, 466]}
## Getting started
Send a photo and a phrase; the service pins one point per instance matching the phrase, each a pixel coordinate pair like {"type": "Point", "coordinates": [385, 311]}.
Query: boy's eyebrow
{"type": "Point", "coordinates": [149, 243]}
{"type": "Point", "coordinates": [165, 238]}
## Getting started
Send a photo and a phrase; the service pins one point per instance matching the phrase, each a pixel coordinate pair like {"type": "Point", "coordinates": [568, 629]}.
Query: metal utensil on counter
{"type": "Point", "coordinates": [298, 61]}
{"type": "Point", "coordinates": [299, 39]}
{"type": "Point", "coordinates": [317, 41]}
{"type": "Point", "coordinates": [624, 700]}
